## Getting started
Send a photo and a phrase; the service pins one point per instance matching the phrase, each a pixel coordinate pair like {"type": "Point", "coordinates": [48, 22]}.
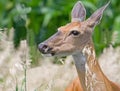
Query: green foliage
{"type": "Point", "coordinates": [20, 30]}
{"type": "Point", "coordinates": [36, 20]}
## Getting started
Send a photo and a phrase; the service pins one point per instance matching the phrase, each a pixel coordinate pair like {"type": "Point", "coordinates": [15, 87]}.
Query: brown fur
{"type": "Point", "coordinates": [69, 26]}
{"type": "Point", "coordinates": [76, 86]}
{"type": "Point", "coordinates": [81, 47]}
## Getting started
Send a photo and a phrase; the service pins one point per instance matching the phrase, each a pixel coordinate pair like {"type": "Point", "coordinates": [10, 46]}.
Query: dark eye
{"type": "Point", "coordinates": [75, 32]}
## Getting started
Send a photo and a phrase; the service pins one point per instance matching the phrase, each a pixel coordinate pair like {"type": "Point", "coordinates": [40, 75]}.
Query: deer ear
{"type": "Point", "coordinates": [78, 12]}
{"type": "Point", "coordinates": [96, 16]}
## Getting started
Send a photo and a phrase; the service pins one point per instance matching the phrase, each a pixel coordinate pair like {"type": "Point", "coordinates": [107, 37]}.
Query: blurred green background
{"type": "Point", "coordinates": [36, 20]}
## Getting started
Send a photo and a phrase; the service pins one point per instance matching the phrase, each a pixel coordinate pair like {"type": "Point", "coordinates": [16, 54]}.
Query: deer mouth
{"type": "Point", "coordinates": [48, 55]}
{"type": "Point", "coordinates": [48, 52]}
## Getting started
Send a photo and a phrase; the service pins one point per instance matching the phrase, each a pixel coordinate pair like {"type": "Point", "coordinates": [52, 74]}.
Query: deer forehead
{"type": "Point", "coordinates": [70, 26]}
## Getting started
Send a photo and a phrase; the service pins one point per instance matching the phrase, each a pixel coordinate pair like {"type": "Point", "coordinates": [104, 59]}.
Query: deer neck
{"type": "Point", "coordinates": [89, 72]}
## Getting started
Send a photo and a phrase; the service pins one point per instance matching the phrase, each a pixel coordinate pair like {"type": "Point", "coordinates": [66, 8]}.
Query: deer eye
{"type": "Point", "coordinates": [75, 32]}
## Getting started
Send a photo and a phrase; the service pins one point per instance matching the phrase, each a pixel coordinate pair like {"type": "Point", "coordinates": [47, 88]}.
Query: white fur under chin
{"type": "Point", "coordinates": [56, 55]}
{"type": "Point", "coordinates": [47, 55]}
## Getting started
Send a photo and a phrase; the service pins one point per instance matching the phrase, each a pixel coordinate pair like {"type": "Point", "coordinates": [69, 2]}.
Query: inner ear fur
{"type": "Point", "coordinates": [78, 12]}
{"type": "Point", "coordinates": [95, 18]}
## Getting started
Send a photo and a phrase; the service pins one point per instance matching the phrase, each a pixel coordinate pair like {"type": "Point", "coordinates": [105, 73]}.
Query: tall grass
{"type": "Point", "coordinates": [36, 20]}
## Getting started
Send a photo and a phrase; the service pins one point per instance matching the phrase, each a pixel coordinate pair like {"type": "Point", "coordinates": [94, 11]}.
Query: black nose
{"type": "Point", "coordinates": [44, 48]}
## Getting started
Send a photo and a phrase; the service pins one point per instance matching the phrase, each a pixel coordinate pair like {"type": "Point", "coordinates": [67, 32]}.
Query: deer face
{"type": "Point", "coordinates": [68, 40]}
{"type": "Point", "coordinates": [73, 37]}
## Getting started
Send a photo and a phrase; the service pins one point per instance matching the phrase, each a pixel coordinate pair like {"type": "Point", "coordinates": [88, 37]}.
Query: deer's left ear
{"type": "Point", "coordinates": [78, 12]}
{"type": "Point", "coordinates": [95, 18]}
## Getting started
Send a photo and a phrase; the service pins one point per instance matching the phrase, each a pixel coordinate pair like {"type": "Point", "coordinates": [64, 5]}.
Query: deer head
{"type": "Point", "coordinates": [74, 36]}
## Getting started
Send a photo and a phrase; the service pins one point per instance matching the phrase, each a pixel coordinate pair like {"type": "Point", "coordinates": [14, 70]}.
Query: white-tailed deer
{"type": "Point", "coordinates": [75, 39]}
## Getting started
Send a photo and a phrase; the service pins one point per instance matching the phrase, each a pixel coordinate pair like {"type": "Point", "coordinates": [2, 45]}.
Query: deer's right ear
{"type": "Point", "coordinates": [78, 12]}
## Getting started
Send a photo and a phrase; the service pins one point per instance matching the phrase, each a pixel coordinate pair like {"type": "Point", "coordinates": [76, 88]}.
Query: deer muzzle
{"type": "Point", "coordinates": [45, 49]}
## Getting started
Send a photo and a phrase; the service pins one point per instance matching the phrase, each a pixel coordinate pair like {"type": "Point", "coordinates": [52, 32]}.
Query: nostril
{"type": "Point", "coordinates": [43, 48]}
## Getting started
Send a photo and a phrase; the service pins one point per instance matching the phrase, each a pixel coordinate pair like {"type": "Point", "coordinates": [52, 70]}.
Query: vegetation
{"type": "Point", "coordinates": [36, 20]}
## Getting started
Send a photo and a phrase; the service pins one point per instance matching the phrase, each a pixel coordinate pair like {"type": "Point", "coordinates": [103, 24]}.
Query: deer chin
{"type": "Point", "coordinates": [48, 54]}
{"type": "Point", "coordinates": [61, 54]}
{"type": "Point", "coordinates": [56, 54]}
